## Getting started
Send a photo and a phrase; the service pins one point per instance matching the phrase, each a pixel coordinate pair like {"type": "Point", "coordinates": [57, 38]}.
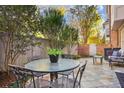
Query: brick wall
{"type": "Point", "coordinates": [100, 48]}
{"type": "Point", "coordinates": [83, 50]}
{"type": "Point", "coordinates": [114, 42]}
{"type": "Point", "coordinates": [114, 39]}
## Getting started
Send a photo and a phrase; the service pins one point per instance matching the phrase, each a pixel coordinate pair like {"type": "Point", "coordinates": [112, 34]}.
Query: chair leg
{"type": "Point", "coordinates": [110, 64]}
{"type": "Point", "coordinates": [62, 81]}
{"type": "Point", "coordinates": [38, 82]}
{"type": "Point", "coordinates": [34, 82]}
{"type": "Point", "coordinates": [93, 60]}
{"type": "Point", "coordinates": [67, 81]}
{"type": "Point", "coordinates": [79, 85]}
{"type": "Point", "coordinates": [73, 75]}
{"type": "Point", "coordinates": [18, 85]}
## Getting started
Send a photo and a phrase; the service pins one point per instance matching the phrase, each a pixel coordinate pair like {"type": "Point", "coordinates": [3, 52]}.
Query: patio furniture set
{"type": "Point", "coordinates": [112, 55]}
{"type": "Point", "coordinates": [38, 68]}
{"type": "Point", "coordinates": [116, 56]}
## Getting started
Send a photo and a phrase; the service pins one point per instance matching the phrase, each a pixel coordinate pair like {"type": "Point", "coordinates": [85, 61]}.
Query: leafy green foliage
{"type": "Point", "coordinates": [56, 30]}
{"type": "Point", "coordinates": [52, 22]}
{"type": "Point", "coordinates": [69, 37]}
{"type": "Point", "coordinates": [18, 24]}
{"type": "Point", "coordinates": [54, 52]}
{"type": "Point", "coordinates": [96, 39]}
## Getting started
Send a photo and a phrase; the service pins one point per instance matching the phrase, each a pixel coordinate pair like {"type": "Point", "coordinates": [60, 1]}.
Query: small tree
{"type": "Point", "coordinates": [88, 18]}
{"type": "Point", "coordinates": [18, 24]}
{"type": "Point", "coordinates": [69, 37]}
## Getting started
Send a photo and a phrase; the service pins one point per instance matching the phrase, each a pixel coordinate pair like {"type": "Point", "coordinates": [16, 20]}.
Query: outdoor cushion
{"type": "Point", "coordinates": [115, 53]}
{"type": "Point", "coordinates": [116, 60]}
{"type": "Point", "coordinates": [122, 54]}
{"type": "Point", "coordinates": [118, 54]}
{"type": "Point", "coordinates": [121, 51]}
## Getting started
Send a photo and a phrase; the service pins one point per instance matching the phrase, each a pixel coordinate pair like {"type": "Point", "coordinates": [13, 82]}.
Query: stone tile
{"type": "Point", "coordinates": [100, 76]}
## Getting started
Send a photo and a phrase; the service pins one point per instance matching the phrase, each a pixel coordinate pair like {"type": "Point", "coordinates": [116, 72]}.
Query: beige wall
{"type": "Point", "coordinates": [37, 51]}
{"type": "Point", "coordinates": [118, 12]}
{"type": "Point", "coordinates": [112, 16]}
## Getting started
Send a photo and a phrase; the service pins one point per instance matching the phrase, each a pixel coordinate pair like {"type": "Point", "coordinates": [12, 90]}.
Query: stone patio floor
{"type": "Point", "coordinates": [99, 75]}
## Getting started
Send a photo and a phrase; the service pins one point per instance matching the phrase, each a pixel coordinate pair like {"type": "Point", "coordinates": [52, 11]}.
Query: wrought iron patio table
{"type": "Point", "coordinates": [45, 66]}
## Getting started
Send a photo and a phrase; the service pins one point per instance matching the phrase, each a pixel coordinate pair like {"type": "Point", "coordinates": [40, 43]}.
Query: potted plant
{"type": "Point", "coordinates": [54, 55]}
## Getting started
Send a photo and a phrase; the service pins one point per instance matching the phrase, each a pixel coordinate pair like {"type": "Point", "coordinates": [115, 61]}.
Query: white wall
{"type": "Point", "coordinates": [118, 12]}
{"type": "Point", "coordinates": [92, 49]}
{"type": "Point", "coordinates": [112, 15]}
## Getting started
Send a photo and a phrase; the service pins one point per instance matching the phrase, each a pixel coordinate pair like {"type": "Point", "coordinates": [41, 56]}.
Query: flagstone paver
{"type": "Point", "coordinates": [98, 76]}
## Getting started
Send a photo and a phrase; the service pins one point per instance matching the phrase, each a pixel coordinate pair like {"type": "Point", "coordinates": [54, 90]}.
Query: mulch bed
{"type": "Point", "coordinates": [6, 79]}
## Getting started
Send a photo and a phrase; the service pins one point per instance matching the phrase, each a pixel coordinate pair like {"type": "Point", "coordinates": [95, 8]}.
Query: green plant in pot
{"type": "Point", "coordinates": [54, 55]}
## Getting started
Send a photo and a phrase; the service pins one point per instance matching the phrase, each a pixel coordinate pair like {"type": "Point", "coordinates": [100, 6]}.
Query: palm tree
{"type": "Point", "coordinates": [52, 22]}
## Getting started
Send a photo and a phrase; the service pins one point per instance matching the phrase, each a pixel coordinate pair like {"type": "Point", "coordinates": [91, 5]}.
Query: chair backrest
{"type": "Point", "coordinates": [20, 73]}
{"type": "Point", "coordinates": [79, 75]}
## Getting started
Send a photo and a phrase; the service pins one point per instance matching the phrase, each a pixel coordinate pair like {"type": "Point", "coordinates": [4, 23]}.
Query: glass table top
{"type": "Point", "coordinates": [45, 66]}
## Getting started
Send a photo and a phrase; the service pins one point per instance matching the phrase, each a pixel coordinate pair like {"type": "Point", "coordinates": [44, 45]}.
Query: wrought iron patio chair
{"type": "Point", "coordinates": [22, 75]}
{"type": "Point", "coordinates": [76, 83]}
{"type": "Point", "coordinates": [67, 73]}
{"type": "Point", "coordinates": [37, 74]}
{"type": "Point", "coordinates": [79, 76]}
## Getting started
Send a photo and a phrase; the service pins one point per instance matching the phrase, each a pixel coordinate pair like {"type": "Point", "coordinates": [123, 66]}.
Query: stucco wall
{"type": "Point", "coordinates": [73, 50]}
{"type": "Point", "coordinates": [22, 59]}
{"type": "Point", "coordinates": [34, 51]}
